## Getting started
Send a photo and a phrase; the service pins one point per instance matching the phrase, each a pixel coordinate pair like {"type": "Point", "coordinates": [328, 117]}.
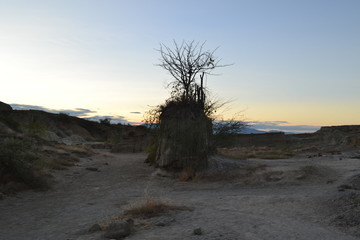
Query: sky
{"type": "Point", "coordinates": [294, 64]}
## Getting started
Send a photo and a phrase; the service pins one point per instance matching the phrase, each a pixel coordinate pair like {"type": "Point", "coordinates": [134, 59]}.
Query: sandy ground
{"type": "Point", "coordinates": [285, 200]}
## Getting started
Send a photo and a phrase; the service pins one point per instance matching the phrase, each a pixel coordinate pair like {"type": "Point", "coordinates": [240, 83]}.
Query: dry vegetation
{"type": "Point", "coordinates": [187, 174]}
{"type": "Point", "coordinates": [152, 207]}
{"type": "Point", "coordinates": [59, 156]}
{"type": "Point", "coordinates": [27, 163]}
{"type": "Point", "coordinates": [243, 153]}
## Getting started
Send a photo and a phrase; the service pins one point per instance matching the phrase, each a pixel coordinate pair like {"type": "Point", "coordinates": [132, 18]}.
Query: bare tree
{"type": "Point", "coordinates": [185, 62]}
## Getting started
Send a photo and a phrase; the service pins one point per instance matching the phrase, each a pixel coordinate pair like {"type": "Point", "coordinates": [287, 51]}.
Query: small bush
{"type": "Point", "coordinates": [105, 121]}
{"type": "Point", "coordinates": [17, 163]}
{"type": "Point", "coordinates": [151, 150]}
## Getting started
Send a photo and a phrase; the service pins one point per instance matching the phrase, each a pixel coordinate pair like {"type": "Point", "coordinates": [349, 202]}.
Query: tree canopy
{"type": "Point", "coordinates": [188, 63]}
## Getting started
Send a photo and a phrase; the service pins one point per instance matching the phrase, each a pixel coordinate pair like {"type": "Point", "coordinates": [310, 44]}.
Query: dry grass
{"type": "Point", "coordinates": [59, 157]}
{"type": "Point", "coordinates": [143, 213]}
{"type": "Point", "coordinates": [243, 153]}
{"type": "Point", "coordinates": [151, 208]}
{"type": "Point", "coordinates": [18, 166]}
{"type": "Point", "coordinates": [27, 163]}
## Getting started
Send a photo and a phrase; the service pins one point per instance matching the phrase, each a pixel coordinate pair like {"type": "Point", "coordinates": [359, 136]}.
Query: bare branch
{"type": "Point", "coordinates": [185, 62]}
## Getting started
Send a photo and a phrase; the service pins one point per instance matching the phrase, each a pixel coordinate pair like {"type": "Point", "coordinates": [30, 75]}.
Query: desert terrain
{"type": "Point", "coordinates": [270, 186]}
{"type": "Point", "coordinates": [295, 198]}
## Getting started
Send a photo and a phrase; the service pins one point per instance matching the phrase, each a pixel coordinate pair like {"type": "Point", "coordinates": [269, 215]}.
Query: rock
{"type": "Point", "coordinates": [5, 107]}
{"type": "Point", "coordinates": [119, 229]}
{"type": "Point", "coordinates": [301, 176]}
{"type": "Point", "coordinates": [95, 228]}
{"type": "Point", "coordinates": [94, 169]}
{"type": "Point", "coordinates": [343, 187]}
{"type": "Point", "coordinates": [73, 140]}
{"type": "Point", "coordinates": [197, 231]}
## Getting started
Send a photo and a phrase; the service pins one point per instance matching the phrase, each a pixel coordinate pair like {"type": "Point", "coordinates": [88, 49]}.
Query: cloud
{"type": "Point", "coordinates": [283, 126]}
{"type": "Point", "coordinates": [28, 107]}
{"type": "Point", "coordinates": [77, 112]}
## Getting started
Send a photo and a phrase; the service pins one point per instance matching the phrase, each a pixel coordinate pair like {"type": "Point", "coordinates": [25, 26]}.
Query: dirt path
{"type": "Point", "coordinates": [285, 207]}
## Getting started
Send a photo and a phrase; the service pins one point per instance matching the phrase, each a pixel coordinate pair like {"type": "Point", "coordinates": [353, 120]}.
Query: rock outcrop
{"type": "Point", "coordinates": [347, 135]}
{"type": "Point", "coordinates": [185, 133]}
{"type": "Point", "coordinates": [119, 229]}
{"type": "Point", "coordinates": [5, 107]}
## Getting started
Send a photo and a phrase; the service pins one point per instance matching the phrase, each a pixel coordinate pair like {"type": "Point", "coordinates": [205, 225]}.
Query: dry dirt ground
{"type": "Point", "coordinates": [282, 199]}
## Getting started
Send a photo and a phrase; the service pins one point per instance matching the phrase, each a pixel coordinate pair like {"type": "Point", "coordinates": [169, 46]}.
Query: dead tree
{"type": "Point", "coordinates": [185, 62]}
{"type": "Point", "coordinates": [185, 126]}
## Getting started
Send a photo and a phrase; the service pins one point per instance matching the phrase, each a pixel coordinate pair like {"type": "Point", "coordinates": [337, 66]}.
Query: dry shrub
{"type": "Point", "coordinates": [67, 163]}
{"type": "Point", "coordinates": [151, 150]}
{"type": "Point", "coordinates": [59, 157]}
{"type": "Point", "coordinates": [151, 208]}
{"type": "Point", "coordinates": [18, 166]}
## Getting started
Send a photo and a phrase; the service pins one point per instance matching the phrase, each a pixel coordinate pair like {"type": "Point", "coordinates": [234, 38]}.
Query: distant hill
{"type": "Point", "coordinates": [65, 129]}
{"type": "Point", "coordinates": [250, 130]}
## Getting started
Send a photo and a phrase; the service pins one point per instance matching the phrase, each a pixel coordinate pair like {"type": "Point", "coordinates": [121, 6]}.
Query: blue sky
{"type": "Point", "coordinates": [294, 62]}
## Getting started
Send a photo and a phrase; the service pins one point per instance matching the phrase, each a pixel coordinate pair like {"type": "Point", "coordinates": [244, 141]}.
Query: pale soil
{"type": "Point", "coordinates": [278, 202]}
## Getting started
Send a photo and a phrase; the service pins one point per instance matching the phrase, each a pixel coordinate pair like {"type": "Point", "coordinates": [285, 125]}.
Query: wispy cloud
{"type": "Point", "coordinates": [28, 107]}
{"type": "Point", "coordinates": [77, 112]}
{"type": "Point", "coordinates": [283, 126]}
